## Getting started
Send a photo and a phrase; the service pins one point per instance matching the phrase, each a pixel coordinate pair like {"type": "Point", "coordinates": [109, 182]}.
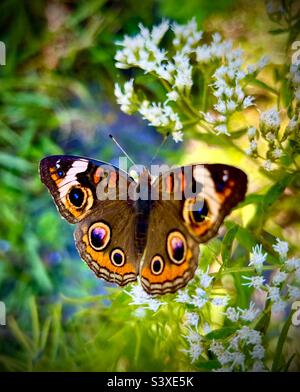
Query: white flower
{"type": "Point", "coordinates": [154, 304]}
{"type": "Point", "coordinates": [281, 247]}
{"type": "Point", "coordinates": [248, 151]}
{"type": "Point", "coordinates": [232, 314]}
{"type": "Point", "coordinates": [249, 314]}
{"type": "Point", "coordinates": [251, 132]}
{"type": "Point", "coordinates": [183, 297]}
{"type": "Point", "coordinates": [273, 293]}
{"type": "Point", "coordinates": [140, 297]}
{"type": "Point", "coordinates": [294, 292]}
{"type": "Point", "coordinates": [165, 71]}
{"type": "Point", "coordinates": [126, 98]}
{"type": "Point", "coordinates": [277, 153]}
{"type": "Point", "coordinates": [183, 77]}
{"type": "Point", "coordinates": [193, 337]}
{"type": "Point", "coordinates": [191, 318]}
{"type": "Point", "coordinates": [203, 54]}
{"type": "Point", "coordinates": [279, 278]}
{"type": "Point", "coordinates": [248, 101]}
{"type": "Point", "coordinates": [220, 107]}
{"type": "Point", "coordinates": [224, 357]}
{"type": "Point", "coordinates": [258, 366]}
{"type": "Point", "coordinates": [292, 264]}
{"type": "Point", "coordinates": [172, 96]}
{"type": "Point", "coordinates": [270, 120]}
{"type": "Point", "coordinates": [222, 129]}
{"type": "Point", "coordinates": [238, 359]}
{"type": "Point", "coordinates": [267, 165]}
{"type": "Point", "coordinates": [160, 115]}
{"type": "Point", "coordinates": [208, 117]}
{"type": "Point", "coordinates": [270, 136]}
{"type": "Point", "coordinates": [159, 31]}
{"type": "Point", "coordinates": [257, 257]}
{"type": "Point", "coordinates": [206, 329]}
{"type": "Point", "coordinates": [254, 281]}
{"type": "Point", "coordinates": [205, 278]}
{"type": "Point", "coordinates": [253, 145]}
{"type": "Point", "coordinates": [177, 136]}
{"type": "Point", "coordinates": [249, 335]}
{"type": "Point", "coordinates": [258, 352]}
{"type": "Point", "coordinates": [279, 306]}
{"type": "Point", "coordinates": [220, 301]}
{"type": "Point", "coordinates": [231, 106]}
{"type": "Point", "coordinates": [194, 351]}
{"type": "Point", "coordinates": [216, 348]}
{"type": "Point", "coordinates": [200, 299]}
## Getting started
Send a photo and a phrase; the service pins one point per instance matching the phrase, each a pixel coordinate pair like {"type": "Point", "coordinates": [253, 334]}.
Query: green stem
{"type": "Point", "coordinates": [243, 269]}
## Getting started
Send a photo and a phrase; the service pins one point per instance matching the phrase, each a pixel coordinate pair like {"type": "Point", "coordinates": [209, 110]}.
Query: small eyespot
{"type": "Point", "coordinates": [199, 211]}
{"type": "Point", "coordinates": [99, 235]}
{"type": "Point", "coordinates": [117, 257]}
{"type": "Point", "coordinates": [176, 246]}
{"type": "Point", "coordinates": [157, 265]}
{"type": "Point", "coordinates": [59, 171]}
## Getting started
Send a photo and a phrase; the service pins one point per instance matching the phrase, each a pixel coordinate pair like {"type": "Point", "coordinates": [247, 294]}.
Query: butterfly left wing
{"type": "Point", "coordinates": [77, 184]}
{"type": "Point", "coordinates": [105, 240]}
{"type": "Point", "coordinates": [191, 204]}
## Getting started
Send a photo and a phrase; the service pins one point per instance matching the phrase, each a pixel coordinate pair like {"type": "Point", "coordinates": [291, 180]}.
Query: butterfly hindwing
{"type": "Point", "coordinates": [171, 254]}
{"type": "Point", "coordinates": [105, 240]}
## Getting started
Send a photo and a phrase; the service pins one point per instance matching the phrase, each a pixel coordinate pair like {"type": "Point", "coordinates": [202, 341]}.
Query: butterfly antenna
{"type": "Point", "coordinates": [160, 146]}
{"type": "Point", "coordinates": [122, 149]}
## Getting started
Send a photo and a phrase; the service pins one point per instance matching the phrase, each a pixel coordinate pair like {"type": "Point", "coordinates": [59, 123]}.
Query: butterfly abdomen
{"type": "Point", "coordinates": [143, 208]}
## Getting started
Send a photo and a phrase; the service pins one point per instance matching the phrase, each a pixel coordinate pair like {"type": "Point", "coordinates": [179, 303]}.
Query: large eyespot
{"type": "Point", "coordinates": [199, 211]}
{"type": "Point", "coordinates": [176, 246]}
{"type": "Point", "coordinates": [157, 265]}
{"type": "Point", "coordinates": [77, 196]}
{"type": "Point", "coordinates": [99, 235]}
{"type": "Point", "coordinates": [195, 211]}
{"type": "Point", "coordinates": [117, 257]}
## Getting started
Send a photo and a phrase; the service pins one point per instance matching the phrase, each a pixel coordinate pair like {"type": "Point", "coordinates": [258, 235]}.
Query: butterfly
{"type": "Point", "coordinates": [122, 236]}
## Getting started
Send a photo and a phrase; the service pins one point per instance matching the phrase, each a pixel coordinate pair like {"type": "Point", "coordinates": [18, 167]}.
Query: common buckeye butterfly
{"type": "Point", "coordinates": [156, 238]}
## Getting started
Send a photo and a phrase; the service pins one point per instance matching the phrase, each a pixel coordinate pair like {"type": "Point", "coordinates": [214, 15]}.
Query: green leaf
{"type": "Point", "coordinates": [278, 31]}
{"type": "Point", "coordinates": [227, 244]}
{"type": "Point", "coordinates": [279, 349]}
{"type": "Point", "coordinates": [221, 333]}
{"type": "Point", "coordinates": [274, 193]}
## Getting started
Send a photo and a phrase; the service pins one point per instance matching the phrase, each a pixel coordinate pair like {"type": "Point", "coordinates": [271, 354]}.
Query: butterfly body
{"type": "Point", "coordinates": [150, 229]}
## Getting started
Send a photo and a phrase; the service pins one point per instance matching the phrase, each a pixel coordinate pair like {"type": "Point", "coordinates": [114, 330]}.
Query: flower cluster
{"type": "Point", "coordinates": [174, 69]}
{"type": "Point", "coordinates": [283, 287]}
{"type": "Point", "coordinates": [229, 81]}
{"type": "Point", "coordinates": [243, 350]}
{"type": "Point", "coordinates": [271, 141]}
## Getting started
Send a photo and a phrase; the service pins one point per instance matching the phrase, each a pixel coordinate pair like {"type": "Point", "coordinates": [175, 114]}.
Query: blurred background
{"type": "Point", "coordinates": [56, 97]}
